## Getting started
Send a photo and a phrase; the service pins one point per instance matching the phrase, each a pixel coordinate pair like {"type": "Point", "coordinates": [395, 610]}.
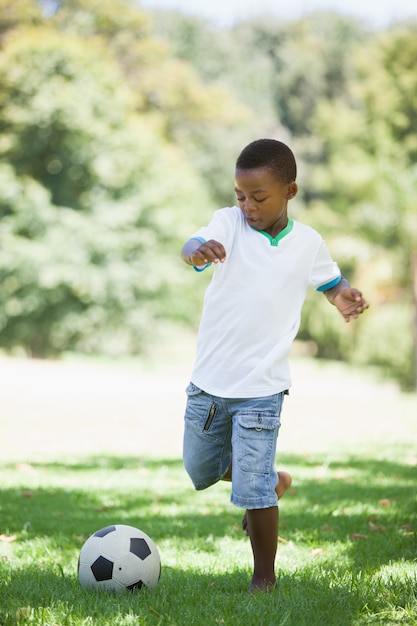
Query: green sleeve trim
{"type": "Point", "coordinates": [329, 285]}
{"type": "Point", "coordinates": [200, 268]}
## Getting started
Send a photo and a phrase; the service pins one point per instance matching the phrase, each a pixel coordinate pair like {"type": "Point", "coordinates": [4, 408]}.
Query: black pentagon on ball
{"type": "Point", "coordinates": [135, 586]}
{"type": "Point", "coordinates": [102, 569]}
{"type": "Point", "coordinates": [139, 547]}
{"type": "Point", "coordinates": [105, 531]}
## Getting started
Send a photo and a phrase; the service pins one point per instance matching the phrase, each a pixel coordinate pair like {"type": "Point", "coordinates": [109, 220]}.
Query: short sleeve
{"type": "Point", "coordinates": [325, 272]}
{"type": "Point", "coordinates": [221, 228]}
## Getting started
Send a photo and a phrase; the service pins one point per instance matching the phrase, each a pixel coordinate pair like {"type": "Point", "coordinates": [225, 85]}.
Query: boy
{"type": "Point", "coordinates": [263, 264]}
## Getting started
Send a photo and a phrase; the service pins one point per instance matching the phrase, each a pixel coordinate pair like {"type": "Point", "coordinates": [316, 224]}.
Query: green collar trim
{"type": "Point", "coordinates": [274, 241]}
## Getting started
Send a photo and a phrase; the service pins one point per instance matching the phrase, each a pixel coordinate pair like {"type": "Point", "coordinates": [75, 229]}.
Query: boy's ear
{"type": "Point", "coordinates": [292, 190]}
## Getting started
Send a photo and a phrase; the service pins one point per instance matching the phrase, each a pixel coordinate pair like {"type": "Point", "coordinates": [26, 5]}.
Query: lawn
{"type": "Point", "coordinates": [87, 445]}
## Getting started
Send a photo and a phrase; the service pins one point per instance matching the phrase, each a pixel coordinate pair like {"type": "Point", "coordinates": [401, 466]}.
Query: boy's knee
{"type": "Point", "coordinates": [200, 478]}
{"type": "Point", "coordinates": [199, 483]}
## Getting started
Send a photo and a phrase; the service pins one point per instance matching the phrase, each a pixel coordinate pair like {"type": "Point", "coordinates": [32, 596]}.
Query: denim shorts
{"type": "Point", "coordinates": [241, 430]}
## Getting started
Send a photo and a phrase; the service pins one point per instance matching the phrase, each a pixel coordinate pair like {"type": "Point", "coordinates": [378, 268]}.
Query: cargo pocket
{"type": "Point", "coordinates": [256, 441]}
{"type": "Point", "coordinates": [200, 412]}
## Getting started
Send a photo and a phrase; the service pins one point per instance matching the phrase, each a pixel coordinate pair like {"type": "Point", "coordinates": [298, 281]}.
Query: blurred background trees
{"type": "Point", "coordinates": [119, 129]}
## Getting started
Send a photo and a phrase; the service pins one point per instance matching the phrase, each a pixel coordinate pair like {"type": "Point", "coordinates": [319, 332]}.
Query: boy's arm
{"type": "Point", "coordinates": [197, 253]}
{"type": "Point", "coordinates": [348, 300]}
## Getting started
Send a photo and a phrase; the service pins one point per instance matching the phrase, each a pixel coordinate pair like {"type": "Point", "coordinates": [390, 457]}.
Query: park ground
{"type": "Point", "coordinates": [90, 442]}
{"type": "Point", "coordinates": [79, 407]}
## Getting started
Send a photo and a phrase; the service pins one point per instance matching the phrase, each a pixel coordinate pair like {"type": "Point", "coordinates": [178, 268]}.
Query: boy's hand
{"type": "Point", "coordinates": [195, 253]}
{"type": "Point", "coordinates": [350, 303]}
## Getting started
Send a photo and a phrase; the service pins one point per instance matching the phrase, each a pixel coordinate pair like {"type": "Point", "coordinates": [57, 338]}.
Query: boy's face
{"type": "Point", "coordinates": [263, 200]}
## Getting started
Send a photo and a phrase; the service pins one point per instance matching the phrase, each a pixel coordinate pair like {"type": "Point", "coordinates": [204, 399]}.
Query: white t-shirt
{"type": "Point", "coordinates": [253, 304]}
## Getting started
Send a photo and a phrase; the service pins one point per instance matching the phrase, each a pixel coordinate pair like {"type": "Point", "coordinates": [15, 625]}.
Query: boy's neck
{"type": "Point", "coordinates": [274, 230]}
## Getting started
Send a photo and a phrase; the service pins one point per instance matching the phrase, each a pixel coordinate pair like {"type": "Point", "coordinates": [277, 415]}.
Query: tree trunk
{"type": "Point", "coordinates": [414, 284]}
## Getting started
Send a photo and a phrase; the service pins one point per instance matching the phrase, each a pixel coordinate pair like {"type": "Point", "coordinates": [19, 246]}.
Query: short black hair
{"type": "Point", "coordinates": [270, 154]}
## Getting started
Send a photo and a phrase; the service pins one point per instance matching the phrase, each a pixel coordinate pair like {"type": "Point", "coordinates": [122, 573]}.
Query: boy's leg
{"type": "Point", "coordinates": [256, 424]}
{"type": "Point", "coordinates": [263, 533]}
{"type": "Point", "coordinates": [284, 483]}
{"type": "Point", "coordinates": [284, 480]}
{"type": "Point", "coordinates": [207, 432]}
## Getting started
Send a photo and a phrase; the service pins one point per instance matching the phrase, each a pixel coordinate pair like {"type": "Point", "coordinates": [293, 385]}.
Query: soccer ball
{"type": "Point", "coordinates": [119, 557]}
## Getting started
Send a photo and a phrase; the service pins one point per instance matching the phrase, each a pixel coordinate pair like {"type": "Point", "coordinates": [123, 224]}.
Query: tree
{"type": "Point", "coordinates": [369, 180]}
{"type": "Point", "coordinates": [311, 62]}
{"type": "Point", "coordinates": [202, 117]}
{"type": "Point", "coordinates": [93, 205]}
{"type": "Point", "coordinates": [15, 14]}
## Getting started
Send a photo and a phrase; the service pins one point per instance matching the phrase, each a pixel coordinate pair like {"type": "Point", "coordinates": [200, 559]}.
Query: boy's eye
{"type": "Point", "coordinates": [259, 200]}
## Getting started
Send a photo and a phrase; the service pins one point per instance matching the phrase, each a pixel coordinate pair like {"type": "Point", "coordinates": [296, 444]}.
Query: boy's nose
{"type": "Point", "coordinates": [249, 207]}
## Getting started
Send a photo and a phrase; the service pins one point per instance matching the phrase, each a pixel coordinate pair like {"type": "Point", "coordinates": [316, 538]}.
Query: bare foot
{"type": "Point", "coordinates": [284, 483]}
{"type": "Point", "coordinates": [262, 586]}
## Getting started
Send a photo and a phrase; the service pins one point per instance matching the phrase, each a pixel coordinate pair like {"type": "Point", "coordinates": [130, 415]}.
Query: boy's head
{"type": "Point", "coordinates": [264, 183]}
{"type": "Point", "coordinates": [269, 154]}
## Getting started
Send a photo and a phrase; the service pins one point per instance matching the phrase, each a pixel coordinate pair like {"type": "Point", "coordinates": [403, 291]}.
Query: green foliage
{"type": "Point", "coordinates": [15, 14]}
{"type": "Point", "coordinates": [321, 325]}
{"type": "Point", "coordinates": [385, 339]}
{"type": "Point", "coordinates": [311, 63]}
{"type": "Point", "coordinates": [102, 137]}
{"type": "Point", "coordinates": [393, 52]}
{"type": "Point", "coordinates": [233, 79]}
{"type": "Point", "coordinates": [205, 118]}
{"type": "Point", "coordinates": [90, 195]}
{"type": "Point", "coordinates": [56, 124]}
{"type": "Point", "coordinates": [88, 281]}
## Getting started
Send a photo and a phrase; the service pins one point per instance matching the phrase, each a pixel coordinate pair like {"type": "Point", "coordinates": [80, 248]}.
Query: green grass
{"type": "Point", "coordinates": [348, 555]}
{"type": "Point", "coordinates": [348, 526]}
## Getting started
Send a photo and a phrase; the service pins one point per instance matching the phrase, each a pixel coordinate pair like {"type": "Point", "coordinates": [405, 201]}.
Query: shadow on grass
{"type": "Point", "coordinates": [369, 505]}
{"type": "Point", "coordinates": [346, 498]}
